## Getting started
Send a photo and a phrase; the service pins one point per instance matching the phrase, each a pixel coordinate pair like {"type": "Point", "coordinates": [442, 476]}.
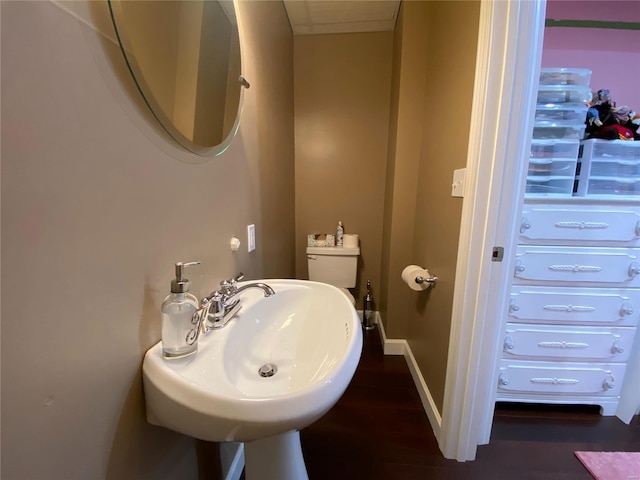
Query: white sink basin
{"type": "Point", "coordinates": [309, 331]}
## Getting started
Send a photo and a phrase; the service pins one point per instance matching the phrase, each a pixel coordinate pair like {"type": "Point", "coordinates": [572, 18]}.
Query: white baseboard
{"type": "Point", "coordinates": [401, 347]}
{"type": "Point", "coordinates": [430, 408]}
{"type": "Point", "coordinates": [237, 465]}
{"type": "Point", "coordinates": [390, 346]}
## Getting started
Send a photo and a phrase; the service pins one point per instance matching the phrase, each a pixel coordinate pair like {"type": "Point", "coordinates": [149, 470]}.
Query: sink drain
{"type": "Point", "coordinates": [267, 370]}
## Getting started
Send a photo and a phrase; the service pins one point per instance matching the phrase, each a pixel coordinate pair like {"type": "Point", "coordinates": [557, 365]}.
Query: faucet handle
{"type": "Point", "coordinates": [229, 286]}
{"type": "Point", "coordinates": [237, 278]}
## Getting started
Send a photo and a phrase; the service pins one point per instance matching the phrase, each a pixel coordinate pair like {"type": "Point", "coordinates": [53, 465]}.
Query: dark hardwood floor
{"type": "Point", "coordinates": [379, 431]}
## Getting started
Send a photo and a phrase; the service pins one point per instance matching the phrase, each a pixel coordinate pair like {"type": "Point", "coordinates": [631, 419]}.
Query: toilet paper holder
{"type": "Point", "coordinates": [430, 280]}
{"type": "Point", "coordinates": [418, 278]}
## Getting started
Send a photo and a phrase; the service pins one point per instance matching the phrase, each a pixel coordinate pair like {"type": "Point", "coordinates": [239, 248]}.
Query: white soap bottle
{"type": "Point", "coordinates": [179, 327]}
{"type": "Point", "coordinates": [339, 234]}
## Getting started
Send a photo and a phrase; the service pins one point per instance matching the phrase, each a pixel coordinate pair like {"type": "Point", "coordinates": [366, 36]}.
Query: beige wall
{"type": "Point", "coordinates": [214, 48]}
{"type": "Point", "coordinates": [91, 226]}
{"type": "Point", "coordinates": [382, 121]}
{"type": "Point", "coordinates": [450, 61]}
{"type": "Point", "coordinates": [342, 98]}
{"type": "Point", "coordinates": [433, 78]}
{"type": "Point", "coordinates": [155, 41]}
{"type": "Point", "coordinates": [408, 116]}
{"type": "Point", "coordinates": [94, 214]}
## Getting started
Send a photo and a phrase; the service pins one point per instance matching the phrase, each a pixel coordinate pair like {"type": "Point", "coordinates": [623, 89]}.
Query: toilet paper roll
{"type": "Point", "coordinates": [350, 240]}
{"type": "Point", "coordinates": [409, 275]}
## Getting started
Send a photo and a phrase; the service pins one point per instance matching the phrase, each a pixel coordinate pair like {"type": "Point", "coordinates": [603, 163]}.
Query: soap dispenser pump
{"type": "Point", "coordinates": [179, 326]}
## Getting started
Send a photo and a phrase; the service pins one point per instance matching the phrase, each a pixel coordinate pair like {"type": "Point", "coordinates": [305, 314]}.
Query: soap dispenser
{"type": "Point", "coordinates": [179, 327]}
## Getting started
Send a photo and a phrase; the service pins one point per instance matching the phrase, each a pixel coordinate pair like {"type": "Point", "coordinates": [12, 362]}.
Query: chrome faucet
{"type": "Point", "coordinates": [222, 305]}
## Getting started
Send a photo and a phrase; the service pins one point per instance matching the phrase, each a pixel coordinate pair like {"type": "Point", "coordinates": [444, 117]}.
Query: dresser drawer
{"type": "Point", "coordinates": [601, 344]}
{"type": "Point", "coordinates": [549, 224]}
{"type": "Point", "coordinates": [588, 306]}
{"type": "Point", "coordinates": [560, 378]}
{"type": "Point", "coordinates": [577, 265]}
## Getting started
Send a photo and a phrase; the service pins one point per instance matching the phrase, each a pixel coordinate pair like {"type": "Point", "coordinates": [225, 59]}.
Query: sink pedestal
{"type": "Point", "coordinates": [275, 458]}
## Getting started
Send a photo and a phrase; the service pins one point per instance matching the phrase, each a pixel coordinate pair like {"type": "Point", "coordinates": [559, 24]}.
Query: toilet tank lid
{"type": "Point", "coordinates": [333, 250]}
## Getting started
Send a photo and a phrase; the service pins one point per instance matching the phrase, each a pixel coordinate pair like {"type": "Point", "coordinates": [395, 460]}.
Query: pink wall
{"type": "Point", "coordinates": [612, 55]}
{"type": "Point", "coordinates": [605, 10]}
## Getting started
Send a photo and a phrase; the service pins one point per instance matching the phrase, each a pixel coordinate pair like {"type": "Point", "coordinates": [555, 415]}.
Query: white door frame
{"type": "Point", "coordinates": [507, 71]}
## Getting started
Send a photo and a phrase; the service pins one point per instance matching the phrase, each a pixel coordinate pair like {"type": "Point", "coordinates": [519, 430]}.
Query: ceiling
{"type": "Point", "coordinates": [341, 16]}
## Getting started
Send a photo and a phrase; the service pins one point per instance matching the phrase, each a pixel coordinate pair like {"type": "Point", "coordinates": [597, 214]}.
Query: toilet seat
{"type": "Point", "coordinates": [349, 296]}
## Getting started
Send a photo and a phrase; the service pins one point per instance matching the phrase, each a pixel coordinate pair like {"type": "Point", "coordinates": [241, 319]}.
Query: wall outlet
{"type": "Point", "coordinates": [251, 238]}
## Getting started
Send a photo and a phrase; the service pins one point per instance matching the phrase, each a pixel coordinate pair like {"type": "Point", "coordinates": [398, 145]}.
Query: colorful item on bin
{"type": "Point", "coordinates": [321, 240]}
{"type": "Point", "coordinates": [607, 121]}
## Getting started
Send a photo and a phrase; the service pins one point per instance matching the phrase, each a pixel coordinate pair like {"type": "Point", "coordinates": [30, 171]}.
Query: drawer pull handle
{"type": "Point", "coordinates": [582, 225]}
{"type": "Point", "coordinates": [525, 225]}
{"type": "Point", "coordinates": [513, 306]}
{"type": "Point", "coordinates": [577, 268]}
{"type": "Point", "coordinates": [626, 309]}
{"type": "Point", "coordinates": [555, 380]}
{"type": "Point", "coordinates": [503, 380]}
{"type": "Point", "coordinates": [570, 308]}
{"type": "Point", "coordinates": [634, 269]}
{"type": "Point", "coordinates": [617, 348]}
{"type": "Point", "coordinates": [609, 383]}
{"type": "Point", "coordinates": [563, 345]}
{"type": "Point", "coordinates": [508, 343]}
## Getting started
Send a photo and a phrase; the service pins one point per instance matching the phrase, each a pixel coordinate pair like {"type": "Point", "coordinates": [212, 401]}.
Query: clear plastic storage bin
{"type": "Point", "coordinates": [554, 149]}
{"type": "Point", "coordinates": [613, 186]}
{"type": "Point", "coordinates": [558, 130]}
{"type": "Point", "coordinates": [565, 76]}
{"type": "Point", "coordinates": [618, 167]}
{"type": "Point", "coordinates": [595, 148]}
{"type": "Point", "coordinates": [562, 112]}
{"type": "Point", "coordinates": [557, 94]}
{"type": "Point", "coordinates": [549, 186]}
{"type": "Point", "coordinates": [551, 167]}
{"type": "Point", "coordinates": [609, 167]}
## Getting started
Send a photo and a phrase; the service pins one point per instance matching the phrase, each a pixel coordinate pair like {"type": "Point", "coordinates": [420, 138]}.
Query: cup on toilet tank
{"type": "Point", "coordinates": [350, 240]}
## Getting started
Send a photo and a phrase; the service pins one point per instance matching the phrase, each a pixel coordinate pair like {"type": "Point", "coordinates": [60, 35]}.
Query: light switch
{"type": "Point", "coordinates": [457, 187]}
{"type": "Point", "coordinates": [251, 238]}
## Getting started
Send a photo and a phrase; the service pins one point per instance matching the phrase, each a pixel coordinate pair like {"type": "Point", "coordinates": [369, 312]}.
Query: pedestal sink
{"type": "Point", "coordinates": [277, 367]}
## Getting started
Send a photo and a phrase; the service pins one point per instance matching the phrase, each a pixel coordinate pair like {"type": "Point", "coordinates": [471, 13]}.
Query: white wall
{"type": "Point", "coordinates": [94, 214]}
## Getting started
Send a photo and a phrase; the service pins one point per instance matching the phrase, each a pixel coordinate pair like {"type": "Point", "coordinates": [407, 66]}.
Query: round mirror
{"type": "Point", "coordinates": [184, 56]}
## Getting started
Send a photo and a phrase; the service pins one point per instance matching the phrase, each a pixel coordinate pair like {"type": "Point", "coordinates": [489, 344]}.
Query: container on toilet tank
{"type": "Point", "coordinates": [337, 266]}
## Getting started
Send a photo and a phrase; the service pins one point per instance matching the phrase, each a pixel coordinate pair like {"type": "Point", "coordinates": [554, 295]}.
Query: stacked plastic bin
{"type": "Point", "coordinates": [563, 95]}
{"type": "Point", "coordinates": [609, 168]}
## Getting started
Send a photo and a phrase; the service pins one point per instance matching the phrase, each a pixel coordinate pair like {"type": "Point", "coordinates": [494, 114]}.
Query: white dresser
{"type": "Point", "coordinates": [575, 296]}
{"type": "Point", "coordinates": [575, 299]}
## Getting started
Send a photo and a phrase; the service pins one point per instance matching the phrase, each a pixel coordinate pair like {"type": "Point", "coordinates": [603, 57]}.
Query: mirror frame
{"type": "Point", "coordinates": [163, 120]}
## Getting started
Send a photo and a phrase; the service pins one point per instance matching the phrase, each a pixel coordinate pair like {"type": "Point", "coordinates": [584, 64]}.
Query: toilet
{"type": "Point", "coordinates": [337, 266]}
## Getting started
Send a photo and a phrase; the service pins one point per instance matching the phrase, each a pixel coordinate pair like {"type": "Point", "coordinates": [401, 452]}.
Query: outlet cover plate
{"type": "Point", "coordinates": [251, 237]}
{"type": "Point", "coordinates": [457, 187]}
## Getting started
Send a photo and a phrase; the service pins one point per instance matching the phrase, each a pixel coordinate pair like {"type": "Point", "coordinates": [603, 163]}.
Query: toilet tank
{"type": "Point", "coordinates": [337, 266]}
